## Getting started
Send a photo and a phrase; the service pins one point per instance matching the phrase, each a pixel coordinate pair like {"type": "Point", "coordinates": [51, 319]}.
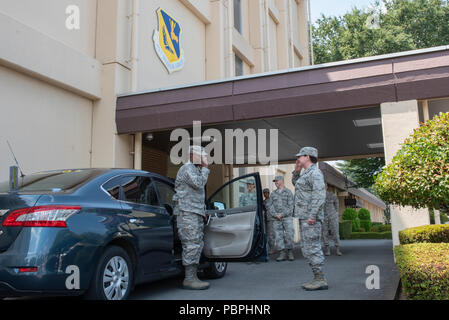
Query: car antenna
{"type": "Point", "coordinates": [21, 173]}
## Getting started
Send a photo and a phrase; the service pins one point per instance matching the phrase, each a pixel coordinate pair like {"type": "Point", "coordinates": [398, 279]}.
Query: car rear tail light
{"type": "Point", "coordinates": [44, 216]}
{"type": "Point", "coordinates": [29, 269]}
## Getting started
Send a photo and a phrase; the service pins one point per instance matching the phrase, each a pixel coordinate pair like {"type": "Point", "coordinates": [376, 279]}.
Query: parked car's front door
{"type": "Point", "coordinates": [236, 229]}
{"type": "Point", "coordinates": [149, 222]}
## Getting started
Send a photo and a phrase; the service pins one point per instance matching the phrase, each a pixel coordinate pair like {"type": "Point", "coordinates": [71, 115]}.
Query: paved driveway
{"type": "Point", "coordinates": [281, 280]}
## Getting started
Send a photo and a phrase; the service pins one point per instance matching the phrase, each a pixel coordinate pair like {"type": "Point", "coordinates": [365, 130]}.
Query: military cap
{"type": "Point", "coordinates": [278, 178]}
{"type": "Point", "coordinates": [308, 151]}
{"type": "Point", "coordinates": [266, 190]}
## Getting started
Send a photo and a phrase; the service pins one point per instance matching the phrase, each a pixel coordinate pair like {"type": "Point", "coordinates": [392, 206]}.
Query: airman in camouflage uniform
{"type": "Point", "coordinates": [310, 194]}
{"type": "Point", "coordinates": [249, 198]}
{"type": "Point", "coordinates": [282, 206]}
{"type": "Point", "coordinates": [330, 223]}
{"type": "Point", "coordinates": [269, 218]}
{"type": "Point", "coordinates": [190, 211]}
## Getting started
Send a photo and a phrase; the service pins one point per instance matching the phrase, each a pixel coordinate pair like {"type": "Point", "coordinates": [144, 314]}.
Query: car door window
{"type": "Point", "coordinates": [140, 189]}
{"type": "Point", "coordinates": [166, 192]}
{"type": "Point", "coordinates": [113, 187]}
{"type": "Point", "coordinates": [238, 194]}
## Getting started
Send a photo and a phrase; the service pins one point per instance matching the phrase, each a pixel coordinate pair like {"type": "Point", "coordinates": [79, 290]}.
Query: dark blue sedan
{"type": "Point", "coordinates": [99, 232]}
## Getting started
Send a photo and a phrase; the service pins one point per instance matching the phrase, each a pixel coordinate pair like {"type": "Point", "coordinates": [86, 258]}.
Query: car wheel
{"type": "Point", "coordinates": [216, 270]}
{"type": "Point", "coordinates": [113, 276]}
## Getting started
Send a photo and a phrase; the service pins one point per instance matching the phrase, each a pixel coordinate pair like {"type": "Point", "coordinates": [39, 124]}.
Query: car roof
{"type": "Point", "coordinates": [101, 171]}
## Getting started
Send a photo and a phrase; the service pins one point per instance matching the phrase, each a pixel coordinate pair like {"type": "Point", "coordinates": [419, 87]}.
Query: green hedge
{"type": "Point", "coordinates": [434, 233]}
{"type": "Point", "coordinates": [345, 229]}
{"type": "Point", "coordinates": [424, 269]}
{"type": "Point", "coordinates": [371, 235]}
{"type": "Point", "coordinates": [380, 228]}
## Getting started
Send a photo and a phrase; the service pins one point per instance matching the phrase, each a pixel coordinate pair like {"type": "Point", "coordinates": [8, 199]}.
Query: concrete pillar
{"type": "Point", "coordinates": [436, 214]}
{"type": "Point", "coordinates": [138, 151]}
{"type": "Point", "coordinates": [398, 121]}
{"type": "Point", "coordinates": [216, 41]}
{"type": "Point", "coordinates": [112, 50]}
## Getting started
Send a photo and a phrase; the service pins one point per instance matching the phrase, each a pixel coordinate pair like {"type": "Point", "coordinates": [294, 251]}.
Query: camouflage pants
{"type": "Point", "coordinates": [284, 233]}
{"type": "Point", "coordinates": [191, 233]}
{"type": "Point", "coordinates": [330, 223]}
{"type": "Point", "coordinates": [311, 245]}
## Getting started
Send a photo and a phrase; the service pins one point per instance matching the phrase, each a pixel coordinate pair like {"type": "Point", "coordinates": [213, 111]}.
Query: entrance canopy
{"type": "Point", "coordinates": [335, 106]}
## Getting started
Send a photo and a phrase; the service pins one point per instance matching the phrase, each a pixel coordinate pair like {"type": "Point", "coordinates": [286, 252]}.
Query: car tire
{"type": "Point", "coordinates": [113, 277]}
{"type": "Point", "coordinates": [216, 270]}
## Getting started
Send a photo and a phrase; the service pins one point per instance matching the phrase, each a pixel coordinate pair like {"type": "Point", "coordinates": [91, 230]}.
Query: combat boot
{"type": "Point", "coordinates": [306, 284]}
{"type": "Point", "coordinates": [290, 255]}
{"type": "Point", "coordinates": [338, 251]}
{"type": "Point", "coordinates": [191, 280]}
{"type": "Point", "coordinates": [318, 283]}
{"type": "Point", "coordinates": [327, 251]}
{"type": "Point", "coordinates": [282, 256]}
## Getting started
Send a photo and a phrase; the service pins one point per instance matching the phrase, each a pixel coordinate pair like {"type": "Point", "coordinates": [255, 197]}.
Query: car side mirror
{"type": "Point", "coordinates": [219, 205]}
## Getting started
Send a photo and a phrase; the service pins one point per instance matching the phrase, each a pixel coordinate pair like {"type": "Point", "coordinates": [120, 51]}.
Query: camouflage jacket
{"type": "Point", "coordinates": [248, 199]}
{"type": "Point", "coordinates": [270, 214]}
{"type": "Point", "coordinates": [331, 205]}
{"type": "Point", "coordinates": [189, 189]}
{"type": "Point", "coordinates": [310, 193]}
{"type": "Point", "coordinates": [282, 202]}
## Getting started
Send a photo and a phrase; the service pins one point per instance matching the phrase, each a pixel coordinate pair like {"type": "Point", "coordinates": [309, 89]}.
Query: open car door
{"type": "Point", "coordinates": [236, 230]}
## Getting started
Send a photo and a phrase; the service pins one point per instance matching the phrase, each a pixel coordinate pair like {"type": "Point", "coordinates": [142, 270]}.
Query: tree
{"type": "Point", "coordinates": [403, 25]}
{"type": "Point", "coordinates": [390, 26]}
{"type": "Point", "coordinates": [418, 175]}
{"type": "Point", "coordinates": [362, 171]}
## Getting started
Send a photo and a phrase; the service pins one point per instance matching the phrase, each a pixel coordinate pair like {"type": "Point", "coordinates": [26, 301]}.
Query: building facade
{"type": "Point", "coordinates": [80, 85]}
{"type": "Point", "coordinates": [64, 62]}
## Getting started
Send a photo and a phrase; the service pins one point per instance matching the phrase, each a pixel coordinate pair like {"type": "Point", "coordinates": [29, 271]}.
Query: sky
{"type": "Point", "coordinates": [336, 7]}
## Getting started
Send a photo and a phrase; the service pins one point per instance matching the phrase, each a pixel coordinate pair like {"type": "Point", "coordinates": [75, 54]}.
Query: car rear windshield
{"type": "Point", "coordinates": [56, 181]}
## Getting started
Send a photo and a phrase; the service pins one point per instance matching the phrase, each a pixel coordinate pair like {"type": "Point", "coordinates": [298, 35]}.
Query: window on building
{"type": "Point", "coordinates": [238, 15]}
{"type": "Point", "coordinates": [238, 66]}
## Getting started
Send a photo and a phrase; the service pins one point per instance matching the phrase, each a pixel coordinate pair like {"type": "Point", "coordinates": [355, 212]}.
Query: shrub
{"type": "Point", "coordinates": [424, 269]}
{"type": "Point", "coordinates": [434, 233]}
{"type": "Point", "coordinates": [364, 214]}
{"type": "Point", "coordinates": [355, 225]}
{"type": "Point", "coordinates": [349, 214]}
{"type": "Point", "coordinates": [365, 224]}
{"type": "Point", "coordinates": [418, 174]}
{"type": "Point", "coordinates": [371, 235]}
{"type": "Point", "coordinates": [375, 229]}
{"type": "Point", "coordinates": [361, 230]}
{"type": "Point", "coordinates": [345, 229]}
